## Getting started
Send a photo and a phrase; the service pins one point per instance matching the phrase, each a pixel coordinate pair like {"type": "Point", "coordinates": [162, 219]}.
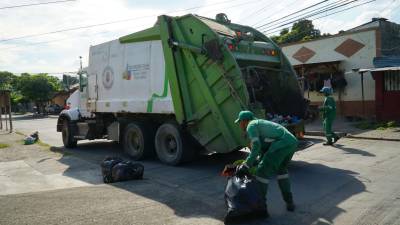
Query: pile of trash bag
{"type": "Point", "coordinates": [283, 120]}
{"type": "Point", "coordinates": [243, 197]}
{"type": "Point", "coordinates": [32, 138]}
{"type": "Point", "coordinates": [115, 169]}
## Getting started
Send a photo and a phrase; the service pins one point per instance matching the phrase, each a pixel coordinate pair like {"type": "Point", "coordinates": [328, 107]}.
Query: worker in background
{"type": "Point", "coordinates": [328, 110]}
{"type": "Point", "coordinates": [272, 148]}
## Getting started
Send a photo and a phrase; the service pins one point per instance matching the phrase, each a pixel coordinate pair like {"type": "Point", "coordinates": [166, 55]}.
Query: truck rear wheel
{"type": "Point", "coordinates": [138, 141]}
{"type": "Point", "coordinates": [67, 136]}
{"type": "Point", "coordinates": [171, 145]}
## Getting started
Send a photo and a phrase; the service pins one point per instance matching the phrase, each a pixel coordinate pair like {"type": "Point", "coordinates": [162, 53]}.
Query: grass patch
{"type": "Point", "coordinates": [4, 145]}
{"type": "Point", "coordinates": [371, 125]}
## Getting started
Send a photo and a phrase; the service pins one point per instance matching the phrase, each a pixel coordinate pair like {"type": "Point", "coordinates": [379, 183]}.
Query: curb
{"type": "Point", "coordinates": [346, 135]}
{"type": "Point", "coordinates": [322, 134]}
{"type": "Point", "coordinates": [372, 138]}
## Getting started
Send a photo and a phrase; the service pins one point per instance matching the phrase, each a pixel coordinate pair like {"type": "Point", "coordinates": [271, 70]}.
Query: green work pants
{"type": "Point", "coordinates": [275, 162]}
{"type": "Point", "coordinates": [327, 123]}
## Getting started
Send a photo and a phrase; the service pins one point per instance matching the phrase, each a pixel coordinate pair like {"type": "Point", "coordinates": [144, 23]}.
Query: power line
{"type": "Point", "coordinates": [45, 42]}
{"type": "Point", "coordinates": [106, 23]}
{"type": "Point", "coordinates": [308, 16]}
{"type": "Point", "coordinates": [35, 4]}
{"type": "Point", "coordinates": [256, 12]}
{"type": "Point", "coordinates": [348, 8]}
{"type": "Point", "coordinates": [308, 7]}
{"type": "Point", "coordinates": [234, 6]}
{"type": "Point", "coordinates": [319, 9]}
{"type": "Point", "coordinates": [55, 40]}
{"type": "Point", "coordinates": [272, 15]}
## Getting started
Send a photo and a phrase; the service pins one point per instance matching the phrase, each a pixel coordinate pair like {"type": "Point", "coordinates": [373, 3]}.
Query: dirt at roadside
{"type": "Point", "coordinates": [18, 151]}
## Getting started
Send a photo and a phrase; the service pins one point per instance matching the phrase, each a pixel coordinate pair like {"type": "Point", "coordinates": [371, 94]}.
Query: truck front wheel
{"type": "Point", "coordinates": [171, 145]}
{"type": "Point", "coordinates": [67, 135]}
{"type": "Point", "coordinates": [138, 141]}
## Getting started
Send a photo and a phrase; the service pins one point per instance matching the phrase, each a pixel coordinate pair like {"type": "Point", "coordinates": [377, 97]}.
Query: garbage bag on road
{"type": "Point", "coordinates": [127, 170]}
{"type": "Point", "coordinates": [243, 198]}
{"type": "Point", "coordinates": [106, 168]}
{"type": "Point", "coordinates": [32, 138]}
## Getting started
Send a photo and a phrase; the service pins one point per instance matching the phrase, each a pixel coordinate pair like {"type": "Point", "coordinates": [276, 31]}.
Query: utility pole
{"type": "Point", "coordinates": [80, 61]}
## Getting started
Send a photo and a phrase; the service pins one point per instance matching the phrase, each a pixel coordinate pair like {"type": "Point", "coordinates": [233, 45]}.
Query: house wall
{"type": "Point", "coordinates": [326, 50]}
{"type": "Point", "coordinates": [60, 99]}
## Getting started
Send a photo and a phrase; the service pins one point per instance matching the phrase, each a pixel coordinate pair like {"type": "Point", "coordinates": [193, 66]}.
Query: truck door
{"type": "Point", "coordinates": [84, 94]}
{"type": "Point", "coordinates": [91, 92]}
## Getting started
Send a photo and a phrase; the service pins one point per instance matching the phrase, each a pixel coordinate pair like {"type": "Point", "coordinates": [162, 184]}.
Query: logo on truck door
{"type": "Point", "coordinates": [108, 77]}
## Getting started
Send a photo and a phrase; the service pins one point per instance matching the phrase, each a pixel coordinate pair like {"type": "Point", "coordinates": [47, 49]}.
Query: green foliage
{"type": "Point", "coordinates": [6, 80]}
{"type": "Point", "coordinates": [3, 145]}
{"type": "Point", "coordinates": [39, 87]}
{"type": "Point", "coordinates": [302, 30]}
{"type": "Point", "coordinates": [369, 125]}
{"type": "Point", "coordinates": [391, 124]}
{"type": "Point", "coordinates": [27, 87]}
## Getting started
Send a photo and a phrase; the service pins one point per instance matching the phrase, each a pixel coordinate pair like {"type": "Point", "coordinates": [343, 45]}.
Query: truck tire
{"type": "Point", "coordinates": [68, 136]}
{"type": "Point", "coordinates": [171, 146]}
{"type": "Point", "coordinates": [138, 141]}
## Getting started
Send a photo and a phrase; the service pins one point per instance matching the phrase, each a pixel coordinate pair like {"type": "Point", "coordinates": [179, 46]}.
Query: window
{"type": "Point", "coordinates": [82, 81]}
{"type": "Point", "coordinates": [392, 80]}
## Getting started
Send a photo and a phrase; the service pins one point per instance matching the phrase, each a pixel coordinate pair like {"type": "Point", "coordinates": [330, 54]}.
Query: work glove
{"type": "Point", "coordinates": [242, 170]}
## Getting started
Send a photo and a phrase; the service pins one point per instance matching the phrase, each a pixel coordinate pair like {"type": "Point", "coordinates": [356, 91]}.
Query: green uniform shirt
{"type": "Point", "coordinates": [329, 108]}
{"type": "Point", "coordinates": [261, 133]}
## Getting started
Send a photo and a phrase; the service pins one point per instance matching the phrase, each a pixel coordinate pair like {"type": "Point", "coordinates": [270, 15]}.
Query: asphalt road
{"type": "Point", "coordinates": [355, 182]}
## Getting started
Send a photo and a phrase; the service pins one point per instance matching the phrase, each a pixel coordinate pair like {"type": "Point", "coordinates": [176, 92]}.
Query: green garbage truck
{"type": "Point", "coordinates": [178, 86]}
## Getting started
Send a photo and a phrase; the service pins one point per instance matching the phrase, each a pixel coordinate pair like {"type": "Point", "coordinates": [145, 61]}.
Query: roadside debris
{"type": "Point", "coordinates": [32, 138]}
{"type": "Point", "coordinates": [115, 169]}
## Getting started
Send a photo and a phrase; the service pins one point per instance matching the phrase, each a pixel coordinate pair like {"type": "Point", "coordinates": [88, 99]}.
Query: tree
{"type": "Point", "coordinates": [38, 88]}
{"type": "Point", "coordinates": [301, 31]}
{"type": "Point", "coordinates": [6, 80]}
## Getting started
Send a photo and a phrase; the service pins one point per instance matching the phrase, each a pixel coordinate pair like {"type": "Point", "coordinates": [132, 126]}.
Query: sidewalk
{"type": "Point", "coordinates": [348, 129]}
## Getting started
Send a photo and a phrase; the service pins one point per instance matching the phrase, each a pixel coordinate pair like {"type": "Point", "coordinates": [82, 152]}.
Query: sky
{"type": "Point", "coordinates": [58, 53]}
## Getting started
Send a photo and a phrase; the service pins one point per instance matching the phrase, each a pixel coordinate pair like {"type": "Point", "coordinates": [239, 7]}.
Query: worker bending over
{"type": "Point", "coordinates": [272, 148]}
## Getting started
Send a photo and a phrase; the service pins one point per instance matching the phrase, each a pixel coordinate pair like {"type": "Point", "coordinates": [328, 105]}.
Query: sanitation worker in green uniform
{"type": "Point", "coordinates": [272, 148]}
{"type": "Point", "coordinates": [328, 110]}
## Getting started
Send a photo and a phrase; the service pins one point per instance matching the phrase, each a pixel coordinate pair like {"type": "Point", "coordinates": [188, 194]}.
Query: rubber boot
{"type": "Point", "coordinates": [263, 187]}
{"type": "Point", "coordinates": [284, 186]}
{"type": "Point", "coordinates": [335, 138]}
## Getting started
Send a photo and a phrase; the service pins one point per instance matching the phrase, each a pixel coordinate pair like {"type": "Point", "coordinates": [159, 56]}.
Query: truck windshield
{"type": "Point", "coordinates": [83, 80]}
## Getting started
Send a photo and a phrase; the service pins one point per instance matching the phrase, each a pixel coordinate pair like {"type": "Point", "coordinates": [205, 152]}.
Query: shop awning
{"type": "Point", "coordinates": [318, 63]}
{"type": "Point", "coordinates": [395, 68]}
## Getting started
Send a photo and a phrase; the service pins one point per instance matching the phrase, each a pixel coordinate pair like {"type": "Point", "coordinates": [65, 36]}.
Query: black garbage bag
{"type": "Point", "coordinates": [244, 198]}
{"type": "Point", "coordinates": [106, 168]}
{"type": "Point", "coordinates": [127, 170]}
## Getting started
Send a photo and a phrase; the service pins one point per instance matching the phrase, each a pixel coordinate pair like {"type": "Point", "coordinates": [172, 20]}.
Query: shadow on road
{"type": "Point", "coordinates": [197, 190]}
{"type": "Point", "coordinates": [353, 150]}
